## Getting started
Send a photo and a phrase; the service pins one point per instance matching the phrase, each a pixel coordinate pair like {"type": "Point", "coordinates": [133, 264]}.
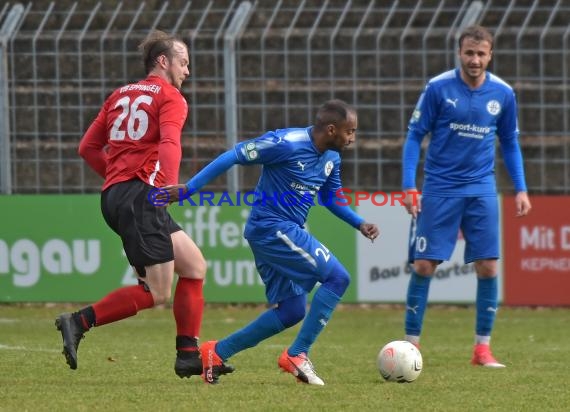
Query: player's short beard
{"type": "Point", "coordinates": [171, 79]}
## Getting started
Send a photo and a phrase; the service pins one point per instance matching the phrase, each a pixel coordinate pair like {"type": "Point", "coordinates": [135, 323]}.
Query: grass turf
{"type": "Point", "coordinates": [129, 365]}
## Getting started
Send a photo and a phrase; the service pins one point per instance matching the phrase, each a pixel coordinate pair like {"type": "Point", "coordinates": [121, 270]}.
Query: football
{"type": "Point", "coordinates": [399, 361]}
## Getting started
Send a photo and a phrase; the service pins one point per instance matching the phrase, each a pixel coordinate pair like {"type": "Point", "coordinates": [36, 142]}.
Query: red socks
{"type": "Point", "coordinates": [188, 307]}
{"type": "Point", "coordinates": [122, 303]}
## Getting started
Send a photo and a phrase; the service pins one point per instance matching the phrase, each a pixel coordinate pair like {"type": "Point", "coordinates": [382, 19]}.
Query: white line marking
{"type": "Point", "coordinates": [23, 348]}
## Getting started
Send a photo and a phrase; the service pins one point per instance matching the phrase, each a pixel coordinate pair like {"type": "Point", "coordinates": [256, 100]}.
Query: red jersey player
{"type": "Point", "coordinates": [134, 144]}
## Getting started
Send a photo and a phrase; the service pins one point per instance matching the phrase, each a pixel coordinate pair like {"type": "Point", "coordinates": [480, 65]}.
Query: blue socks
{"type": "Point", "coordinates": [269, 324]}
{"type": "Point", "coordinates": [288, 313]}
{"type": "Point", "coordinates": [322, 306]}
{"type": "Point", "coordinates": [265, 326]}
{"type": "Point", "coordinates": [486, 305]}
{"type": "Point", "coordinates": [416, 302]}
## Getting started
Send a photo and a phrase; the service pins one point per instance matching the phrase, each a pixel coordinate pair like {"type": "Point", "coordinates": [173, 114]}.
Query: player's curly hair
{"type": "Point", "coordinates": [157, 43]}
{"type": "Point", "coordinates": [477, 33]}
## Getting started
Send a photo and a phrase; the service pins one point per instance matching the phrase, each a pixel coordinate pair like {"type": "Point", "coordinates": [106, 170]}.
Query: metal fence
{"type": "Point", "coordinates": [261, 65]}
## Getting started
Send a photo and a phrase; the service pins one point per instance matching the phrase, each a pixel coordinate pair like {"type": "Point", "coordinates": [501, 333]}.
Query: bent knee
{"type": "Point", "coordinates": [294, 316]}
{"type": "Point", "coordinates": [203, 267]}
{"type": "Point", "coordinates": [161, 296]}
{"type": "Point", "coordinates": [200, 268]}
{"type": "Point", "coordinates": [338, 280]}
{"type": "Point", "coordinates": [192, 270]}
{"type": "Point", "coordinates": [342, 278]}
{"type": "Point", "coordinates": [291, 311]}
{"type": "Point", "coordinates": [188, 259]}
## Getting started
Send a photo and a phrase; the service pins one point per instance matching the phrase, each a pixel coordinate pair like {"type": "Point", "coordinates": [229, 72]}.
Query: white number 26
{"type": "Point", "coordinates": [133, 113]}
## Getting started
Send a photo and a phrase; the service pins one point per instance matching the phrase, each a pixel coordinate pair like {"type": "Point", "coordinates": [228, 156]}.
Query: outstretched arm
{"type": "Point", "coordinates": [218, 166]}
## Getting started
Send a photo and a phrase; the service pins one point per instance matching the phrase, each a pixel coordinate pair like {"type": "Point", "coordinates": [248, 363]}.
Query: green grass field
{"type": "Point", "coordinates": [129, 365]}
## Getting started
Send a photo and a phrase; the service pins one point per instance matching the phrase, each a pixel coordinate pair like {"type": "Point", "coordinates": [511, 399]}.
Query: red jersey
{"type": "Point", "coordinates": [136, 134]}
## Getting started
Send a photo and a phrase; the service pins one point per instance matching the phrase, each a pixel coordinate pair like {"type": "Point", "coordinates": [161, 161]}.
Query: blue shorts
{"type": "Point", "coordinates": [440, 220]}
{"type": "Point", "coordinates": [290, 261]}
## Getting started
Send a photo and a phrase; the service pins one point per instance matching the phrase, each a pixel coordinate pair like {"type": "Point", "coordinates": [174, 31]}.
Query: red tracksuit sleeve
{"type": "Point", "coordinates": [92, 145]}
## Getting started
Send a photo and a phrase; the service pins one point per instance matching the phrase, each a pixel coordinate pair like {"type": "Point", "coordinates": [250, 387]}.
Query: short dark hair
{"type": "Point", "coordinates": [333, 112]}
{"type": "Point", "coordinates": [156, 44]}
{"type": "Point", "coordinates": [477, 33]}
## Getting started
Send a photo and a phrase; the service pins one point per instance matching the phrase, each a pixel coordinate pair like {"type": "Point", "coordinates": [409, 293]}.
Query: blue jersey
{"type": "Point", "coordinates": [463, 123]}
{"type": "Point", "coordinates": [289, 259]}
{"type": "Point", "coordinates": [294, 171]}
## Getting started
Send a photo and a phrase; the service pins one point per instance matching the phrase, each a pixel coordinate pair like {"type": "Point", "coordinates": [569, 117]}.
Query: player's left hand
{"type": "Point", "coordinates": [369, 230]}
{"type": "Point", "coordinates": [522, 203]}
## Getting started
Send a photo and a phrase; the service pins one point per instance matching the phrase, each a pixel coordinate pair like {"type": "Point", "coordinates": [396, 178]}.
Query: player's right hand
{"type": "Point", "coordinates": [413, 202]}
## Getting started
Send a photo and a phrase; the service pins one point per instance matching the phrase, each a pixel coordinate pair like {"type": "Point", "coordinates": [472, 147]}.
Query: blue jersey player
{"type": "Point", "coordinates": [464, 110]}
{"type": "Point", "coordinates": [298, 164]}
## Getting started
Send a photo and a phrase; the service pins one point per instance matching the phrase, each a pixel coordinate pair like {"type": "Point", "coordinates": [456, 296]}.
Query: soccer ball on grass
{"type": "Point", "coordinates": [399, 361]}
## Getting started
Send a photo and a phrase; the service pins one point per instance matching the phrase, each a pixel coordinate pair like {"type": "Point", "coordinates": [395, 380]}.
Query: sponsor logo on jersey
{"type": "Point", "coordinates": [302, 188]}
{"type": "Point", "coordinates": [470, 130]}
